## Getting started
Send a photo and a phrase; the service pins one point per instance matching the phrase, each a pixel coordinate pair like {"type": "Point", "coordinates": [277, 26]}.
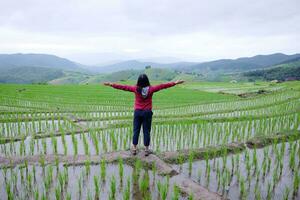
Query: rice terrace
{"type": "Point", "coordinates": [208, 141]}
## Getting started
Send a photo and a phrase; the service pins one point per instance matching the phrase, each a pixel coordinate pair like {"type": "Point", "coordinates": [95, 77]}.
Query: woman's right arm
{"type": "Point", "coordinates": [129, 88]}
{"type": "Point", "coordinates": [159, 87]}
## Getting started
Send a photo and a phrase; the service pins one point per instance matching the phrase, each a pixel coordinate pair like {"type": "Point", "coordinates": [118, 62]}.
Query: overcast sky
{"type": "Point", "coordinates": [95, 31]}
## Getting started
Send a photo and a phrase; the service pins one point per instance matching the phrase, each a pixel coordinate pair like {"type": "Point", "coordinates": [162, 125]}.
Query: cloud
{"type": "Point", "coordinates": [190, 29]}
{"type": "Point", "coordinates": [233, 16]}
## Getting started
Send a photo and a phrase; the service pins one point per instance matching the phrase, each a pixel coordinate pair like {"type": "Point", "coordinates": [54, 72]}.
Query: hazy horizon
{"type": "Point", "coordinates": [162, 60]}
{"type": "Point", "coordinates": [96, 32]}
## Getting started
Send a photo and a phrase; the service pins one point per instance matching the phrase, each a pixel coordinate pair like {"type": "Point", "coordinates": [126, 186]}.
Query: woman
{"type": "Point", "coordinates": [142, 107]}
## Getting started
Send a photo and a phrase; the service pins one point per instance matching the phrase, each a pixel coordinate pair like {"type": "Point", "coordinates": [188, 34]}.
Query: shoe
{"type": "Point", "coordinates": [147, 152]}
{"type": "Point", "coordinates": [133, 151]}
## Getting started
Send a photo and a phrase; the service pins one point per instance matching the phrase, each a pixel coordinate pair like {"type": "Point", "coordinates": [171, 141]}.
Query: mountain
{"type": "Point", "coordinates": [287, 70]}
{"type": "Point", "coordinates": [212, 67]}
{"type": "Point", "coordinates": [268, 60]}
{"type": "Point", "coordinates": [163, 60]}
{"type": "Point", "coordinates": [29, 75]}
{"type": "Point", "coordinates": [293, 60]}
{"type": "Point", "coordinates": [125, 65]}
{"type": "Point", "coordinates": [34, 68]}
{"type": "Point", "coordinates": [71, 77]}
{"type": "Point", "coordinates": [8, 61]}
{"type": "Point", "coordinates": [240, 64]}
{"type": "Point", "coordinates": [154, 74]}
{"type": "Point", "coordinates": [137, 65]}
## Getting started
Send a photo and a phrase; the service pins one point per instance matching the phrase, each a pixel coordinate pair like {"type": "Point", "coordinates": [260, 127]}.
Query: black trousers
{"type": "Point", "coordinates": [142, 117]}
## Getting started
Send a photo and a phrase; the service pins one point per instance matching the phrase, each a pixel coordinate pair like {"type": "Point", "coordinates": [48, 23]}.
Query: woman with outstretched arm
{"type": "Point", "coordinates": [142, 107]}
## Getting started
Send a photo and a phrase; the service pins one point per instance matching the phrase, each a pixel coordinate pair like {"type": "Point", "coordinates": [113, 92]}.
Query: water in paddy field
{"type": "Point", "coordinates": [164, 137]}
{"type": "Point", "coordinates": [222, 175]}
{"type": "Point", "coordinates": [107, 141]}
{"type": "Point", "coordinates": [12, 129]}
{"type": "Point", "coordinates": [81, 185]}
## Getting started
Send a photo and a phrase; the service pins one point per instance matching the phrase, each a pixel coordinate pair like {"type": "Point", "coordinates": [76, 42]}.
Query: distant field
{"type": "Point", "coordinates": [99, 94]}
{"type": "Point", "coordinates": [240, 87]}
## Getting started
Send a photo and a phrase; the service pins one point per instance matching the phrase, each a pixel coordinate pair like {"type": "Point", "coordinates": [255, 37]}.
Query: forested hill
{"type": "Point", "coordinates": [43, 68]}
{"type": "Point", "coordinates": [288, 70]}
{"type": "Point", "coordinates": [8, 61]}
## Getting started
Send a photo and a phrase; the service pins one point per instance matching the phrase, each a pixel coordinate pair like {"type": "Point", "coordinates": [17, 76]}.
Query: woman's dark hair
{"type": "Point", "coordinates": [142, 82]}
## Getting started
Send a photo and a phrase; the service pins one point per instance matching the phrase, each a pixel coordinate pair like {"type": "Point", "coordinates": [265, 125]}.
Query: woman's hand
{"type": "Point", "coordinates": [107, 83]}
{"type": "Point", "coordinates": [179, 82]}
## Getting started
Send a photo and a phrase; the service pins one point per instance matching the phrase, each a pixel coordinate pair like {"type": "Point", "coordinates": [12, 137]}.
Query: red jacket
{"type": "Point", "coordinates": [140, 102]}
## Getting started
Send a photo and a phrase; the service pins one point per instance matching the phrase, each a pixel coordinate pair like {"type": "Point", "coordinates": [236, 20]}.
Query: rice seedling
{"type": "Point", "coordinates": [29, 182]}
{"type": "Point", "coordinates": [121, 169]}
{"type": "Point", "coordinates": [87, 167]}
{"type": "Point", "coordinates": [242, 188]}
{"type": "Point", "coordinates": [126, 192]}
{"type": "Point", "coordinates": [64, 142]}
{"type": "Point", "coordinates": [144, 186]}
{"type": "Point", "coordinates": [36, 194]}
{"type": "Point", "coordinates": [61, 181]}
{"type": "Point", "coordinates": [154, 170]}
{"type": "Point", "coordinates": [75, 144]}
{"type": "Point", "coordinates": [57, 193]}
{"type": "Point", "coordinates": [163, 190]}
{"type": "Point", "coordinates": [95, 142]}
{"type": "Point", "coordinates": [79, 183]}
{"type": "Point", "coordinates": [9, 193]}
{"type": "Point", "coordinates": [138, 166]}
{"type": "Point", "coordinates": [89, 196]}
{"type": "Point", "coordinates": [85, 144]}
{"type": "Point", "coordinates": [269, 191]}
{"type": "Point", "coordinates": [68, 197]}
{"type": "Point", "coordinates": [103, 169]}
{"type": "Point", "coordinates": [176, 194]}
{"type": "Point", "coordinates": [54, 143]}
{"type": "Point", "coordinates": [191, 158]}
{"type": "Point", "coordinates": [96, 187]}
{"type": "Point", "coordinates": [257, 192]}
{"type": "Point", "coordinates": [34, 173]}
{"type": "Point", "coordinates": [296, 182]}
{"type": "Point", "coordinates": [44, 144]}
{"type": "Point", "coordinates": [112, 194]}
{"type": "Point", "coordinates": [180, 160]}
{"type": "Point", "coordinates": [57, 162]}
{"type": "Point", "coordinates": [44, 196]}
{"type": "Point", "coordinates": [286, 193]}
{"type": "Point", "coordinates": [66, 175]}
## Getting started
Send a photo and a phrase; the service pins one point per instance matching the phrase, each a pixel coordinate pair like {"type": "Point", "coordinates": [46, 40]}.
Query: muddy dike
{"type": "Point", "coordinates": [262, 141]}
{"type": "Point", "coordinates": [170, 157]}
{"type": "Point", "coordinates": [176, 157]}
{"type": "Point", "coordinates": [173, 157]}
